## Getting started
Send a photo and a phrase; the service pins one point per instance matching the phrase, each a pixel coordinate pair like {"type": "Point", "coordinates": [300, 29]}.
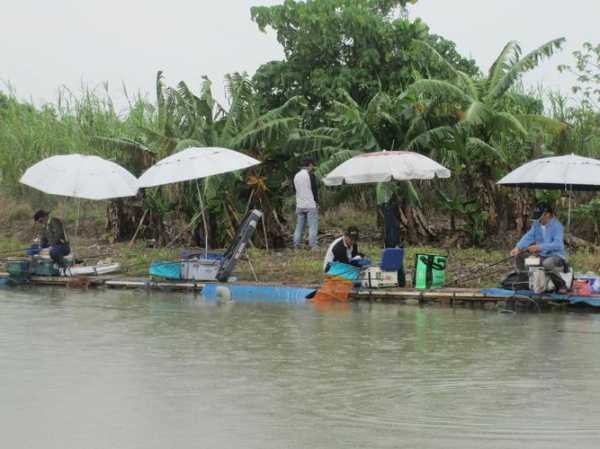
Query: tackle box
{"type": "Point", "coordinates": [374, 277]}
{"type": "Point", "coordinates": [18, 266]}
{"type": "Point", "coordinates": [42, 266]}
{"type": "Point", "coordinates": [200, 269]}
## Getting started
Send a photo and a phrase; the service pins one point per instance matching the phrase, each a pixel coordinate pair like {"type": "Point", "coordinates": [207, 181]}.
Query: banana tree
{"type": "Point", "coordinates": [183, 119]}
{"type": "Point", "coordinates": [384, 123]}
{"type": "Point", "coordinates": [490, 119]}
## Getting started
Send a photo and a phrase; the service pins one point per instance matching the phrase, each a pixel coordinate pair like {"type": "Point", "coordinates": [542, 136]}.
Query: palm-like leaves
{"type": "Point", "coordinates": [505, 74]}
{"type": "Point", "coordinates": [478, 101]}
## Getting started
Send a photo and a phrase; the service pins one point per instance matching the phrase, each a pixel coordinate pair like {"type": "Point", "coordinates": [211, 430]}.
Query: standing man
{"type": "Point", "coordinates": [544, 238]}
{"type": "Point", "coordinates": [307, 208]}
{"type": "Point", "coordinates": [53, 236]}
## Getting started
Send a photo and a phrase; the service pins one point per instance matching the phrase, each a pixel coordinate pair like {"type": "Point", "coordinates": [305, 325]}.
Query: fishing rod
{"type": "Point", "coordinates": [88, 257]}
{"type": "Point", "coordinates": [155, 264]}
{"type": "Point", "coordinates": [13, 252]}
{"type": "Point", "coordinates": [94, 256]}
{"type": "Point", "coordinates": [481, 271]}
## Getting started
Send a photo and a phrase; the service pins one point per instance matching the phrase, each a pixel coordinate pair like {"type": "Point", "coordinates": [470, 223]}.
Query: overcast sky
{"type": "Point", "coordinates": [47, 44]}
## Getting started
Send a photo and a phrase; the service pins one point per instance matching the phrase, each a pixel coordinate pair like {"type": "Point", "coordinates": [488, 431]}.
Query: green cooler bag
{"type": "Point", "coordinates": [430, 271]}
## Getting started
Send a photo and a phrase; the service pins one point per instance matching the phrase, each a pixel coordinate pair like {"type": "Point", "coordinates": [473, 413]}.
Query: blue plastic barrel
{"type": "Point", "coordinates": [256, 293]}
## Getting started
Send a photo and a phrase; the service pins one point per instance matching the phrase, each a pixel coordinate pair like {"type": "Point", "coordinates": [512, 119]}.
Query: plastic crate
{"type": "Point", "coordinates": [44, 267]}
{"type": "Point", "coordinates": [374, 277]}
{"type": "Point", "coordinates": [200, 269]}
{"type": "Point", "coordinates": [17, 267]}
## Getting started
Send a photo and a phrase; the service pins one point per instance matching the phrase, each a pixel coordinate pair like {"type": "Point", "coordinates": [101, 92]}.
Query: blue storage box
{"type": "Point", "coordinates": [391, 259]}
{"type": "Point", "coordinates": [33, 250]}
{"type": "Point", "coordinates": [166, 270]}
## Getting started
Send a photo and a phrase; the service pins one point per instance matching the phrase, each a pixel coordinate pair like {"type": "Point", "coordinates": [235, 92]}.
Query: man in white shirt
{"type": "Point", "coordinates": [307, 208]}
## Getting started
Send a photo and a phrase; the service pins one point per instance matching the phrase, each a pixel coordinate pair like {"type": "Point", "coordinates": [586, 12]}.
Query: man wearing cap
{"type": "Point", "coordinates": [544, 238]}
{"type": "Point", "coordinates": [53, 236]}
{"type": "Point", "coordinates": [343, 249]}
{"type": "Point", "coordinates": [307, 208]}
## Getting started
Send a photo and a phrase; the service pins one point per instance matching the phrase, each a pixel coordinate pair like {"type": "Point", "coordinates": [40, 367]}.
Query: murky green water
{"type": "Point", "coordinates": [125, 370]}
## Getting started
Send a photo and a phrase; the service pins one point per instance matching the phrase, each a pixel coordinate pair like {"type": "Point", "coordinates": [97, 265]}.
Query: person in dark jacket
{"type": "Point", "coordinates": [53, 236]}
{"type": "Point", "coordinates": [343, 249]}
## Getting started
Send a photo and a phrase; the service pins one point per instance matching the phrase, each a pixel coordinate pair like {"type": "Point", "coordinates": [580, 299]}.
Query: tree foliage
{"type": "Point", "coordinates": [357, 76]}
{"type": "Point", "coordinates": [587, 74]}
{"type": "Point", "coordinates": [359, 46]}
{"type": "Point", "coordinates": [493, 119]}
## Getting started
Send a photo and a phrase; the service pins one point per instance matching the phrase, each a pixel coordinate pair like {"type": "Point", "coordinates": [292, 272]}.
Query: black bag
{"type": "Point", "coordinates": [516, 280]}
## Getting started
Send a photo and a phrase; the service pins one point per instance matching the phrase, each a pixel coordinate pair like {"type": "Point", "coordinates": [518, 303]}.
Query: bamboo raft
{"type": "Point", "coordinates": [469, 297]}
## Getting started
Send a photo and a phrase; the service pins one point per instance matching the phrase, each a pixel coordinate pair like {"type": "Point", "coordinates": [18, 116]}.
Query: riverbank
{"type": "Point", "coordinates": [287, 266]}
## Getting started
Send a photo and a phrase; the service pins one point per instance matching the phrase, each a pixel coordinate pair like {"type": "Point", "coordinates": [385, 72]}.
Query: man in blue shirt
{"type": "Point", "coordinates": [545, 238]}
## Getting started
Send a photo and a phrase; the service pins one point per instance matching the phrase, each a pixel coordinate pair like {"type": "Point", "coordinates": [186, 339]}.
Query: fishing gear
{"type": "Point", "coordinates": [480, 271]}
{"type": "Point", "coordinates": [13, 252]}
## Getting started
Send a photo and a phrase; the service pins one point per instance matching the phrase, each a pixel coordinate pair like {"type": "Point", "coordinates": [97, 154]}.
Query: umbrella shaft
{"type": "Point", "coordinates": [203, 220]}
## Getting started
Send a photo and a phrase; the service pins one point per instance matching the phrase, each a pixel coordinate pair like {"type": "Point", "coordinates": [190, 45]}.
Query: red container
{"type": "Point", "coordinates": [582, 287]}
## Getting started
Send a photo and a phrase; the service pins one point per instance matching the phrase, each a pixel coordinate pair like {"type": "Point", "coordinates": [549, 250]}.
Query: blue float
{"type": "Point", "coordinates": [256, 293]}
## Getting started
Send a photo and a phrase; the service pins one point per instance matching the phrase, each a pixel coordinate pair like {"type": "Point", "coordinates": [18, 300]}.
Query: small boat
{"type": "Point", "coordinates": [93, 270]}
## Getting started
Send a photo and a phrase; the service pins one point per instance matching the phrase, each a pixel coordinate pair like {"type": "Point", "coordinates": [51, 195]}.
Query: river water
{"type": "Point", "coordinates": [115, 369]}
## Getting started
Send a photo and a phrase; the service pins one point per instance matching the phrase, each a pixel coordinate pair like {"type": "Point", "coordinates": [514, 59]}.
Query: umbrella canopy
{"type": "Point", "coordinates": [568, 173]}
{"type": "Point", "coordinates": [194, 163]}
{"type": "Point", "coordinates": [385, 166]}
{"type": "Point", "coordinates": [80, 176]}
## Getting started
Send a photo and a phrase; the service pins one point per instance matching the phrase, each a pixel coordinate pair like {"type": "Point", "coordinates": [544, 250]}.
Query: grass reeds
{"type": "Point", "coordinates": [74, 124]}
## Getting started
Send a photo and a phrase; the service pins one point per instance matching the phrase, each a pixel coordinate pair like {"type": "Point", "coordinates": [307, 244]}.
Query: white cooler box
{"type": "Point", "coordinates": [200, 269]}
{"type": "Point", "coordinates": [379, 279]}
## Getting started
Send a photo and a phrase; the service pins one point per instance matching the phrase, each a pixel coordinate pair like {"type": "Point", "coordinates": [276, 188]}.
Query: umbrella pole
{"type": "Point", "coordinates": [569, 223]}
{"type": "Point", "coordinates": [78, 217]}
{"type": "Point", "coordinates": [203, 220]}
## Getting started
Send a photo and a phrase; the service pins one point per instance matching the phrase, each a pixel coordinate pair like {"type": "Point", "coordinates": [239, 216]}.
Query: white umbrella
{"type": "Point", "coordinates": [385, 166]}
{"type": "Point", "coordinates": [195, 163]}
{"type": "Point", "coordinates": [567, 173]}
{"type": "Point", "coordinates": [79, 176]}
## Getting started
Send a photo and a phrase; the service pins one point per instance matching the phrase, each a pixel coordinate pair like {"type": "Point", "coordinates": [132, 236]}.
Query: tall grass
{"type": "Point", "coordinates": [73, 124]}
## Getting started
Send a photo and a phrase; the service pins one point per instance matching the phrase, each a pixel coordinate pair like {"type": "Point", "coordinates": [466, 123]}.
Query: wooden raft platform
{"type": "Point", "coordinates": [116, 282]}
{"type": "Point", "coordinates": [448, 296]}
{"type": "Point", "coordinates": [437, 295]}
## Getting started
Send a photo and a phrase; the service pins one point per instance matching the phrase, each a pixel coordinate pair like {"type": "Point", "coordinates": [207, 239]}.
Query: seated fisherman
{"type": "Point", "coordinates": [544, 238]}
{"type": "Point", "coordinates": [53, 236]}
{"type": "Point", "coordinates": [343, 249]}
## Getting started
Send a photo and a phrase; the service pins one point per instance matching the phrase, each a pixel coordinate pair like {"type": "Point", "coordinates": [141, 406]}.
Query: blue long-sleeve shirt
{"type": "Point", "coordinates": [551, 241]}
